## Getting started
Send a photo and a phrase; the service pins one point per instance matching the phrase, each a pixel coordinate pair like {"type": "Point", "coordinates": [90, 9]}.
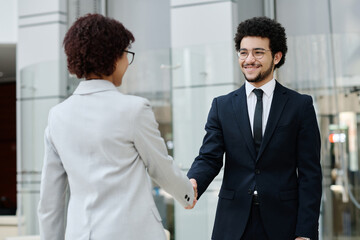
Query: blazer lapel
{"type": "Point", "coordinates": [241, 112]}
{"type": "Point", "coordinates": [278, 102]}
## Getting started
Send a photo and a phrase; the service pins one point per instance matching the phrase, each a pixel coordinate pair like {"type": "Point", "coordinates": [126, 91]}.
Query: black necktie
{"type": "Point", "coordinates": [257, 127]}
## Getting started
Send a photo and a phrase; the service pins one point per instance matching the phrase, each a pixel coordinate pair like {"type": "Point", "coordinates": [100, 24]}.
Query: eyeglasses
{"type": "Point", "coordinates": [130, 55]}
{"type": "Point", "coordinates": [257, 53]}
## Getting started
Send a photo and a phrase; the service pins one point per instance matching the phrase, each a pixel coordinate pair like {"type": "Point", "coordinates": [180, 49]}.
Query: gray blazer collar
{"type": "Point", "coordinates": [92, 86]}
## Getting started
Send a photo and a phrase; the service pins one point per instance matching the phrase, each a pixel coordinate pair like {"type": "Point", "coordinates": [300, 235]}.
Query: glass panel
{"type": "Point", "coordinates": [200, 73]}
{"type": "Point", "coordinates": [182, 112]}
{"type": "Point", "coordinates": [34, 115]}
{"type": "Point", "coordinates": [347, 59]}
{"type": "Point", "coordinates": [324, 61]}
{"type": "Point", "coordinates": [190, 109]}
{"type": "Point", "coordinates": [204, 65]}
{"type": "Point", "coordinates": [41, 87]}
{"type": "Point", "coordinates": [152, 80]}
{"type": "Point", "coordinates": [43, 80]}
{"type": "Point", "coordinates": [198, 222]}
{"type": "Point", "coordinates": [149, 75]}
{"type": "Point", "coordinates": [28, 185]}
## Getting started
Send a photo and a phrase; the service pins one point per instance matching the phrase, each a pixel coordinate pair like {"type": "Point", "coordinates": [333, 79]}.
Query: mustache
{"type": "Point", "coordinates": [252, 64]}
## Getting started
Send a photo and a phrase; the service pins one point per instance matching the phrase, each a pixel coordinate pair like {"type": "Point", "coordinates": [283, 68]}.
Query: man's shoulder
{"type": "Point", "coordinates": [293, 93]}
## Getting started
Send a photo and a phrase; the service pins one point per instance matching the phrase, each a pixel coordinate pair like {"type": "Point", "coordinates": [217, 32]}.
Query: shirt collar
{"type": "Point", "coordinates": [92, 86]}
{"type": "Point", "coordinates": [268, 88]}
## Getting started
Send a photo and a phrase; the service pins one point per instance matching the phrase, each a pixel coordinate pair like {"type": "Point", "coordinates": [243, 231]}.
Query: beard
{"type": "Point", "coordinates": [262, 75]}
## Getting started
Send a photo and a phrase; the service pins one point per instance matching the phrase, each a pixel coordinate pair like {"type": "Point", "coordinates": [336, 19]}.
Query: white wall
{"type": "Point", "coordinates": [8, 21]}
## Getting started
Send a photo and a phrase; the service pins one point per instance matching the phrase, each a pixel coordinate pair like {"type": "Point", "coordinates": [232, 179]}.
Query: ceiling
{"type": "Point", "coordinates": [7, 62]}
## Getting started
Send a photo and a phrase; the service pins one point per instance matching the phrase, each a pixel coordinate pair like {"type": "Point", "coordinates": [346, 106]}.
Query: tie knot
{"type": "Point", "coordinates": [258, 93]}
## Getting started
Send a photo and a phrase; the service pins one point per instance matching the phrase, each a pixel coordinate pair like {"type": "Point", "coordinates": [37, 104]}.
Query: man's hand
{"type": "Point", "coordinates": [302, 238]}
{"type": "Point", "coordinates": [194, 184]}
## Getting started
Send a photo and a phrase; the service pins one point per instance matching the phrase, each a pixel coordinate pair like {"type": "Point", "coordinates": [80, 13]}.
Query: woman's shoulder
{"type": "Point", "coordinates": [132, 103]}
{"type": "Point", "coordinates": [135, 100]}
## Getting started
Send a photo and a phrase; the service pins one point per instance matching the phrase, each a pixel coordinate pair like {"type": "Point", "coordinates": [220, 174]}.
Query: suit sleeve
{"type": "Point", "coordinates": [52, 205]}
{"type": "Point", "coordinates": [160, 166]}
{"type": "Point", "coordinates": [309, 173]}
{"type": "Point", "coordinates": [209, 162]}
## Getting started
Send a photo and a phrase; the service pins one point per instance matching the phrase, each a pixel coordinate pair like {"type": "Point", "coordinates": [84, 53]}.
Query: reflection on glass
{"type": "Point", "coordinates": [324, 61]}
{"type": "Point", "coordinates": [41, 86]}
{"type": "Point", "coordinates": [45, 79]}
{"type": "Point", "coordinates": [206, 64]}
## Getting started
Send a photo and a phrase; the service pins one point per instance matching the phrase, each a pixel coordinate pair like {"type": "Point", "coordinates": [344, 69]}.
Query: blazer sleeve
{"type": "Point", "coordinates": [209, 162]}
{"type": "Point", "coordinates": [309, 172]}
{"type": "Point", "coordinates": [52, 205]}
{"type": "Point", "coordinates": [160, 166]}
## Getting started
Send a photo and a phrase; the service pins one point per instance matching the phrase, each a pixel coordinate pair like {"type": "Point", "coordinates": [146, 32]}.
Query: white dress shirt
{"type": "Point", "coordinates": [268, 89]}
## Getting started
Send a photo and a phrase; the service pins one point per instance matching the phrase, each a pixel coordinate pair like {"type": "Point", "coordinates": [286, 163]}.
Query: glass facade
{"type": "Point", "coordinates": [36, 95]}
{"type": "Point", "coordinates": [323, 61]}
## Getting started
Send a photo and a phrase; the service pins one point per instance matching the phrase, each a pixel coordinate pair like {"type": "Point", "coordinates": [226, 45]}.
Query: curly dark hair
{"type": "Point", "coordinates": [266, 28]}
{"type": "Point", "coordinates": [94, 43]}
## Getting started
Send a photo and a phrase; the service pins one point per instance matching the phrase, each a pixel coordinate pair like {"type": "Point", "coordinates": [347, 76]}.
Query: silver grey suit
{"type": "Point", "coordinates": [104, 145]}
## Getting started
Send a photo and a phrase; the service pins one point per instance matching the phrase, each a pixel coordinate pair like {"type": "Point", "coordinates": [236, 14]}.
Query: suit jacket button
{"type": "Point", "coordinates": [249, 191]}
{"type": "Point", "coordinates": [257, 171]}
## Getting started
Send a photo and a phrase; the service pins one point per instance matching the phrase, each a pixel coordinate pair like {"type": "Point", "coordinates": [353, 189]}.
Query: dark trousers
{"type": "Point", "coordinates": [254, 229]}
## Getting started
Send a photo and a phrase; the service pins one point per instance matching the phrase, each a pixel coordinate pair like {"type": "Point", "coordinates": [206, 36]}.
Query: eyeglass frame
{"type": "Point", "coordinates": [252, 53]}
{"type": "Point", "coordinates": [133, 55]}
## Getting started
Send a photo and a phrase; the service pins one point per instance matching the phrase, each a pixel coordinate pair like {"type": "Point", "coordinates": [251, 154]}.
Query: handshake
{"type": "Point", "coordinates": [194, 184]}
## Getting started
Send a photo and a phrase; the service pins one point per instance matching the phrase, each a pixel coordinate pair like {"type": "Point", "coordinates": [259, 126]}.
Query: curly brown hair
{"type": "Point", "coordinates": [94, 43]}
{"type": "Point", "coordinates": [266, 28]}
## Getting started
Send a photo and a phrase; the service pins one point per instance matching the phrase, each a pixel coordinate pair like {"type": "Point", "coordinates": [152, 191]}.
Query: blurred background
{"type": "Point", "coordinates": [185, 56]}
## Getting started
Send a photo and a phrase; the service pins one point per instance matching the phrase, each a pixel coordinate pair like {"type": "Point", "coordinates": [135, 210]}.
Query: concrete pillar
{"type": "Point", "coordinates": [41, 83]}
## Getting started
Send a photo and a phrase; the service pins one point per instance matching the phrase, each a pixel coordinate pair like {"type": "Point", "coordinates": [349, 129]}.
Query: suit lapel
{"type": "Point", "coordinates": [278, 102]}
{"type": "Point", "coordinates": [241, 112]}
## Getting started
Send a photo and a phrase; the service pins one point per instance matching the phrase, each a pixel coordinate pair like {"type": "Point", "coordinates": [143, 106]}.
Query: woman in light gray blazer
{"type": "Point", "coordinates": [103, 145]}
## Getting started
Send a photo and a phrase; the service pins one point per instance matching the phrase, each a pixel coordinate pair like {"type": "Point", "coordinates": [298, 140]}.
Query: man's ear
{"type": "Point", "coordinates": [277, 57]}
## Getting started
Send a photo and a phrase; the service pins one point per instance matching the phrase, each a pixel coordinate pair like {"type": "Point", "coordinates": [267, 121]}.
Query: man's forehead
{"type": "Point", "coordinates": [254, 42]}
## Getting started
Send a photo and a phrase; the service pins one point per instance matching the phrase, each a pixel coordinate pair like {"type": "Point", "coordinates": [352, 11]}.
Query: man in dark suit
{"type": "Point", "coordinates": [271, 186]}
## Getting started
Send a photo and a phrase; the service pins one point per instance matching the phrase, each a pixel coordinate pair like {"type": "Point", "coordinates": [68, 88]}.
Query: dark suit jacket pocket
{"type": "Point", "coordinates": [226, 194]}
{"type": "Point", "coordinates": [289, 195]}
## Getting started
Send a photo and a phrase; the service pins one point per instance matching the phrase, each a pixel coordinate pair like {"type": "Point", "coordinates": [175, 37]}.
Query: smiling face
{"type": "Point", "coordinates": [258, 71]}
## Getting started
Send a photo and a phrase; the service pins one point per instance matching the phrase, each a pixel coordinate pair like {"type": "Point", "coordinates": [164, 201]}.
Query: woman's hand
{"type": "Point", "coordinates": [194, 184]}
